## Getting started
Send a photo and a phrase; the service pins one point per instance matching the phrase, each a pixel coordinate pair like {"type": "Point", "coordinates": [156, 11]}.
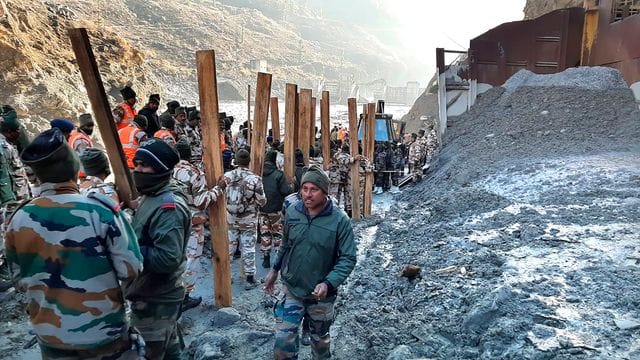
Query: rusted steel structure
{"type": "Point", "coordinates": [548, 44]}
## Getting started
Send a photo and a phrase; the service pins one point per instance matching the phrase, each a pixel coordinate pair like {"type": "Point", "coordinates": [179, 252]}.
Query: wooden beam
{"type": "Point", "coordinates": [296, 122]}
{"type": "Point", "coordinates": [355, 167]}
{"type": "Point", "coordinates": [249, 114]}
{"type": "Point", "coordinates": [102, 114]}
{"type": "Point", "coordinates": [213, 169]}
{"type": "Point", "coordinates": [275, 118]}
{"type": "Point", "coordinates": [305, 123]}
{"type": "Point", "coordinates": [312, 127]}
{"type": "Point", "coordinates": [325, 129]}
{"type": "Point", "coordinates": [368, 148]}
{"type": "Point", "coordinates": [290, 130]}
{"type": "Point", "coordinates": [260, 118]}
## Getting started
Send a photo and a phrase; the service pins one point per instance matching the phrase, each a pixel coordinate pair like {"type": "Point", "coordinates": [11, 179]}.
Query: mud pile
{"type": "Point", "coordinates": [525, 233]}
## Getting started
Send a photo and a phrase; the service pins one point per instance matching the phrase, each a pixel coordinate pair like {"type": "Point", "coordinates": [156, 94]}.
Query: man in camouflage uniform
{"type": "Point", "coordinates": [193, 183]}
{"type": "Point", "coordinates": [70, 251]}
{"type": "Point", "coordinates": [192, 130]}
{"type": "Point", "coordinates": [334, 177]}
{"type": "Point", "coordinates": [96, 168]}
{"type": "Point", "coordinates": [245, 195]}
{"type": "Point", "coordinates": [180, 116]}
{"type": "Point", "coordinates": [397, 164]}
{"type": "Point", "coordinates": [381, 176]}
{"type": "Point", "coordinates": [14, 182]}
{"type": "Point", "coordinates": [344, 160]}
{"type": "Point", "coordinates": [431, 144]}
{"type": "Point", "coordinates": [365, 167]}
{"type": "Point", "coordinates": [422, 140]}
{"type": "Point", "coordinates": [162, 223]}
{"type": "Point", "coordinates": [415, 158]}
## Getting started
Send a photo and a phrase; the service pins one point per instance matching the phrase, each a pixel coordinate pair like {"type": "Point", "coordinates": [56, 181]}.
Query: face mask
{"type": "Point", "coordinates": [149, 183]}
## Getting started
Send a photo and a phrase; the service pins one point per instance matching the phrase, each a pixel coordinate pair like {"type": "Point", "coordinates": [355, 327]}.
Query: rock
{"type": "Point", "coordinates": [411, 271]}
{"type": "Point", "coordinates": [627, 324]}
{"type": "Point", "coordinates": [402, 352]}
{"type": "Point", "coordinates": [226, 316]}
{"type": "Point", "coordinates": [208, 346]}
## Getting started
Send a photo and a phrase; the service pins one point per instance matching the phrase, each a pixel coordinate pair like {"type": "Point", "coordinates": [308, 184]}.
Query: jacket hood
{"type": "Point", "coordinates": [268, 168]}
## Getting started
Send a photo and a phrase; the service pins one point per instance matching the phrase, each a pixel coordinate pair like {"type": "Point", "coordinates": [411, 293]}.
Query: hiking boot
{"type": "Point", "coordinates": [251, 282]}
{"type": "Point", "coordinates": [306, 338]}
{"type": "Point", "coordinates": [266, 261]}
{"type": "Point", "coordinates": [190, 302]}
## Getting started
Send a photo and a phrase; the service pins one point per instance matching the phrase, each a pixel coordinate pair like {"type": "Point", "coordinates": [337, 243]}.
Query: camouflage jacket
{"type": "Point", "coordinates": [17, 172]}
{"type": "Point", "coordinates": [423, 145]}
{"type": "Point", "coordinates": [415, 152]}
{"type": "Point", "coordinates": [70, 251]}
{"type": "Point", "coordinates": [334, 171]}
{"type": "Point", "coordinates": [245, 193]}
{"type": "Point", "coordinates": [381, 158]}
{"type": "Point", "coordinates": [432, 140]}
{"type": "Point", "coordinates": [180, 130]}
{"type": "Point", "coordinates": [195, 140]}
{"type": "Point", "coordinates": [92, 184]}
{"type": "Point", "coordinates": [344, 161]}
{"type": "Point", "coordinates": [398, 159]}
{"type": "Point", "coordinates": [194, 185]}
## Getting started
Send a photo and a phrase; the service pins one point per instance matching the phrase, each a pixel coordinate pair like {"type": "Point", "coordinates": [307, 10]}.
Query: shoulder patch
{"type": "Point", "coordinates": [105, 200]}
{"type": "Point", "coordinates": [168, 201]}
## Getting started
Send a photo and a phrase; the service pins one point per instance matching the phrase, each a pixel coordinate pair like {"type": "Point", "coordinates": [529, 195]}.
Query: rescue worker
{"type": "Point", "coordinates": [162, 223]}
{"type": "Point", "coordinates": [131, 137]}
{"type": "Point", "coordinates": [245, 195]}
{"type": "Point", "coordinates": [344, 161]}
{"type": "Point", "coordinates": [415, 154]}
{"type": "Point", "coordinates": [76, 305]}
{"type": "Point", "coordinates": [150, 111]}
{"type": "Point", "coordinates": [166, 132]}
{"type": "Point", "coordinates": [80, 139]}
{"type": "Point", "coordinates": [180, 115]}
{"type": "Point", "coordinates": [125, 112]}
{"type": "Point", "coordinates": [431, 144]}
{"type": "Point", "coordinates": [317, 254]}
{"type": "Point", "coordinates": [381, 175]}
{"type": "Point", "coordinates": [192, 130]}
{"type": "Point", "coordinates": [194, 185]}
{"type": "Point", "coordinates": [96, 169]}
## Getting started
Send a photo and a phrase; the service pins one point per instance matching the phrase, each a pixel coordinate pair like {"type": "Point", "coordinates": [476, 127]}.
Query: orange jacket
{"type": "Point", "coordinates": [76, 136]}
{"type": "Point", "coordinates": [129, 142]}
{"type": "Point", "coordinates": [165, 135]}
{"type": "Point", "coordinates": [127, 118]}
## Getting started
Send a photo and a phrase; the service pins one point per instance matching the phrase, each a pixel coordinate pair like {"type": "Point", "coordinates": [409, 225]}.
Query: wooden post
{"type": "Point", "coordinates": [355, 167]}
{"type": "Point", "coordinates": [305, 123]}
{"type": "Point", "coordinates": [275, 118]}
{"type": "Point", "coordinates": [212, 156]}
{"type": "Point", "coordinates": [367, 147]}
{"type": "Point", "coordinates": [260, 117]}
{"type": "Point", "coordinates": [325, 129]}
{"type": "Point", "coordinates": [102, 113]}
{"type": "Point", "coordinates": [296, 122]}
{"type": "Point", "coordinates": [249, 114]}
{"type": "Point", "coordinates": [312, 127]}
{"type": "Point", "coordinates": [290, 130]}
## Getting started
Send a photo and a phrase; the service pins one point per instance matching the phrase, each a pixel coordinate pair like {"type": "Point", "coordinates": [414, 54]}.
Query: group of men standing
{"type": "Point", "coordinates": [83, 261]}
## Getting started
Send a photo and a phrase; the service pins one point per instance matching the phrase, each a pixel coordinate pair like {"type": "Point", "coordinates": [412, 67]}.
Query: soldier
{"type": "Point", "coordinates": [365, 167]}
{"type": "Point", "coordinates": [299, 171]}
{"type": "Point", "coordinates": [244, 195]}
{"type": "Point", "coordinates": [64, 125]}
{"type": "Point", "coordinates": [276, 188]}
{"type": "Point", "coordinates": [180, 117]}
{"type": "Point", "coordinates": [415, 153]}
{"type": "Point", "coordinates": [162, 223]}
{"type": "Point", "coordinates": [125, 112]}
{"type": "Point", "coordinates": [166, 132]}
{"type": "Point", "coordinates": [397, 164]}
{"type": "Point", "coordinates": [334, 176]}
{"type": "Point", "coordinates": [131, 137]}
{"type": "Point", "coordinates": [96, 168]}
{"type": "Point", "coordinates": [71, 250]}
{"type": "Point", "coordinates": [422, 140]}
{"type": "Point", "coordinates": [344, 161]}
{"type": "Point", "coordinates": [381, 157]}
{"type": "Point", "coordinates": [193, 183]}
{"type": "Point", "coordinates": [150, 111]}
{"type": "Point", "coordinates": [317, 255]}
{"type": "Point", "coordinates": [431, 144]}
{"type": "Point", "coordinates": [192, 130]}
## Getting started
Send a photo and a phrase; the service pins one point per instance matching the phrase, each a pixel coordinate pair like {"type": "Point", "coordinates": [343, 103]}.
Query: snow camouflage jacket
{"type": "Point", "coordinates": [245, 192]}
{"type": "Point", "coordinates": [195, 140]}
{"type": "Point", "coordinates": [344, 161]}
{"type": "Point", "coordinates": [193, 183]}
{"type": "Point", "coordinates": [69, 252]}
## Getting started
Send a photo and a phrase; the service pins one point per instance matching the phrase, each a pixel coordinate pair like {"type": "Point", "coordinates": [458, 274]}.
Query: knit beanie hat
{"type": "Point", "coordinates": [243, 157]}
{"type": "Point", "coordinates": [141, 121]}
{"type": "Point", "coordinates": [51, 159]}
{"type": "Point", "coordinates": [85, 119]}
{"type": "Point", "coordinates": [172, 105]}
{"type": "Point", "coordinates": [184, 149]}
{"type": "Point", "coordinates": [195, 114]}
{"type": "Point", "coordinates": [157, 154]}
{"type": "Point", "coordinates": [94, 162]}
{"type": "Point", "coordinates": [299, 156]}
{"type": "Point", "coordinates": [127, 93]}
{"type": "Point", "coordinates": [271, 156]}
{"type": "Point", "coordinates": [179, 111]}
{"type": "Point", "coordinates": [154, 98]}
{"type": "Point", "coordinates": [168, 122]}
{"type": "Point", "coordinates": [9, 119]}
{"type": "Point", "coordinates": [316, 176]}
{"type": "Point", "coordinates": [64, 125]}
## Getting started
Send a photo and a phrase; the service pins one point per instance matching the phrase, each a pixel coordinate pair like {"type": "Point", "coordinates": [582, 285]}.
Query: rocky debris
{"type": "Point", "coordinates": [226, 316]}
{"type": "Point", "coordinates": [411, 271]}
{"type": "Point", "coordinates": [402, 352]}
{"type": "Point", "coordinates": [537, 8]}
{"type": "Point", "coordinates": [592, 78]}
{"type": "Point", "coordinates": [423, 112]}
{"type": "Point", "coordinates": [208, 346]}
{"type": "Point", "coordinates": [627, 324]}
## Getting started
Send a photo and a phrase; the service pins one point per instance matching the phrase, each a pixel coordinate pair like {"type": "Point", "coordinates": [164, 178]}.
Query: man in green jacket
{"type": "Point", "coordinates": [162, 223]}
{"type": "Point", "coordinates": [317, 254]}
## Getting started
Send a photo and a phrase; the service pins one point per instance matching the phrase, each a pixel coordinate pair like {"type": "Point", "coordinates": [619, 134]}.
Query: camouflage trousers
{"type": "Point", "coordinates": [242, 233]}
{"type": "Point", "coordinates": [5, 215]}
{"type": "Point", "coordinates": [334, 189]}
{"type": "Point", "coordinates": [345, 191]}
{"type": "Point", "coordinates": [270, 231]}
{"type": "Point", "coordinates": [195, 246]}
{"type": "Point", "coordinates": [416, 170]}
{"type": "Point", "coordinates": [117, 350]}
{"type": "Point", "coordinates": [158, 325]}
{"type": "Point", "coordinates": [288, 313]}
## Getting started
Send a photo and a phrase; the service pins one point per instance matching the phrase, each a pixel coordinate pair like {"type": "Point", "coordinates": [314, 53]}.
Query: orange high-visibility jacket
{"type": "Point", "coordinates": [129, 139]}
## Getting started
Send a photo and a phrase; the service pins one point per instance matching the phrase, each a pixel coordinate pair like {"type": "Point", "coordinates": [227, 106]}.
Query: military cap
{"type": "Point", "coordinates": [64, 125]}
{"type": "Point", "coordinates": [94, 162]}
{"type": "Point", "coordinates": [51, 159]}
{"type": "Point", "coordinates": [157, 154]}
{"type": "Point", "coordinates": [154, 98]}
{"type": "Point", "coordinates": [141, 120]}
{"type": "Point", "coordinates": [243, 157]}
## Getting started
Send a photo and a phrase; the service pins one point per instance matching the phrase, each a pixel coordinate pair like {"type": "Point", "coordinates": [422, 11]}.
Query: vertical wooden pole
{"type": "Point", "coordinates": [296, 123]}
{"type": "Point", "coordinates": [102, 113]}
{"type": "Point", "coordinates": [325, 129]}
{"type": "Point", "coordinates": [305, 123]}
{"type": "Point", "coordinates": [290, 130]}
{"type": "Point", "coordinates": [355, 167]}
{"type": "Point", "coordinates": [213, 169]}
{"type": "Point", "coordinates": [367, 147]}
{"type": "Point", "coordinates": [261, 116]}
{"type": "Point", "coordinates": [249, 114]}
{"type": "Point", "coordinates": [275, 118]}
{"type": "Point", "coordinates": [312, 127]}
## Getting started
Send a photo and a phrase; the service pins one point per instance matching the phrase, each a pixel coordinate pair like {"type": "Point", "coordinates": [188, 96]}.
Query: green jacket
{"type": "Point", "coordinates": [6, 186]}
{"type": "Point", "coordinates": [315, 250]}
{"type": "Point", "coordinates": [162, 223]}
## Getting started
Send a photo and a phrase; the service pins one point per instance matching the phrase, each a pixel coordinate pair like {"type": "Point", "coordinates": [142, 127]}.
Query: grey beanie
{"type": "Point", "coordinates": [318, 177]}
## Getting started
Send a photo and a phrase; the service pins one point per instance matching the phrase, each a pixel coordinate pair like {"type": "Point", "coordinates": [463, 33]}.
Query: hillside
{"type": "Point", "coordinates": [535, 8]}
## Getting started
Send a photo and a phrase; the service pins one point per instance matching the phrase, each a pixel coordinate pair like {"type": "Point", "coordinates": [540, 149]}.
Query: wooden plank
{"type": "Point", "coordinates": [102, 114]}
{"type": "Point", "coordinates": [305, 123]}
{"type": "Point", "coordinates": [249, 114]}
{"type": "Point", "coordinates": [275, 118]}
{"type": "Point", "coordinates": [260, 118]}
{"type": "Point", "coordinates": [312, 125]}
{"type": "Point", "coordinates": [296, 122]}
{"type": "Point", "coordinates": [290, 130]}
{"type": "Point", "coordinates": [368, 145]}
{"type": "Point", "coordinates": [213, 170]}
{"type": "Point", "coordinates": [355, 167]}
{"type": "Point", "coordinates": [325, 129]}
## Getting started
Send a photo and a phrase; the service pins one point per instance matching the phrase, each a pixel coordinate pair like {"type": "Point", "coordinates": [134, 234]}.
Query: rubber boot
{"type": "Point", "coordinates": [190, 302]}
{"type": "Point", "coordinates": [266, 261]}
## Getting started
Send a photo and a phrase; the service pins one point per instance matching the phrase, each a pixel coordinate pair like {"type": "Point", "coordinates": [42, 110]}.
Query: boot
{"type": "Point", "coordinates": [378, 190]}
{"type": "Point", "coordinates": [394, 190]}
{"type": "Point", "coordinates": [266, 261]}
{"type": "Point", "coordinates": [251, 282]}
{"type": "Point", "coordinates": [305, 339]}
{"type": "Point", "coordinates": [237, 254]}
{"type": "Point", "coordinates": [190, 302]}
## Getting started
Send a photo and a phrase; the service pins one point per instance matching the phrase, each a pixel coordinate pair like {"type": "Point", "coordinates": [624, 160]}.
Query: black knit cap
{"type": "Point", "coordinates": [271, 156]}
{"type": "Point", "coordinates": [184, 149]}
{"type": "Point", "coordinates": [127, 93]}
{"type": "Point", "coordinates": [243, 157]}
{"type": "Point", "coordinates": [168, 122]}
{"type": "Point", "coordinates": [94, 162]}
{"type": "Point", "coordinates": [157, 154]}
{"type": "Point", "coordinates": [51, 159]}
{"type": "Point", "coordinates": [172, 105]}
{"type": "Point", "coordinates": [154, 98]}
